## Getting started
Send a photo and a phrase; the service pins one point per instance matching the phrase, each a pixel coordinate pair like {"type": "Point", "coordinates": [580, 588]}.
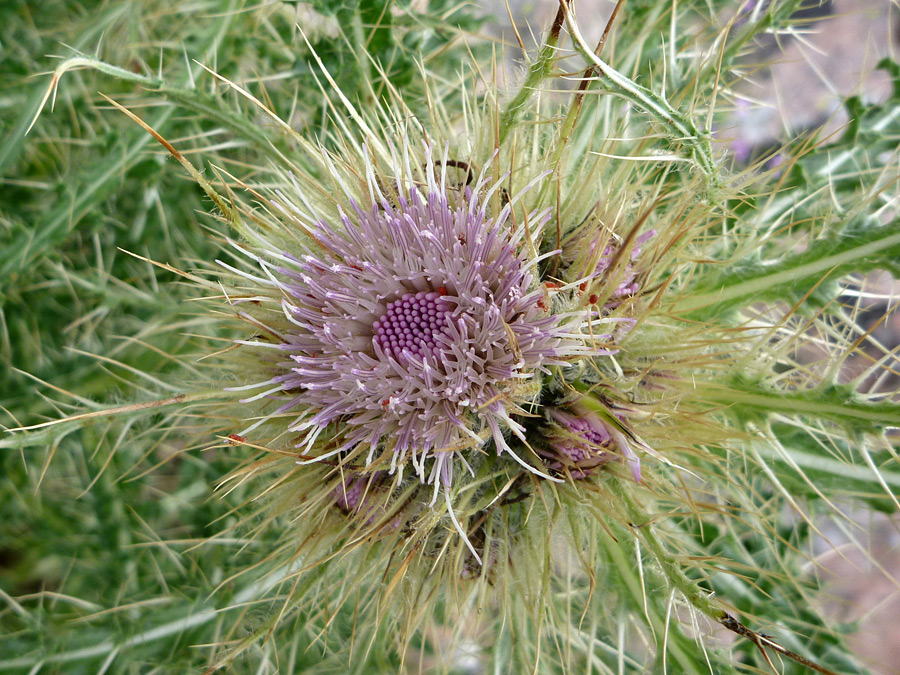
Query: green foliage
{"type": "Point", "coordinates": [831, 201]}
{"type": "Point", "coordinates": [116, 549]}
{"type": "Point", "coordinates": [81, 518]}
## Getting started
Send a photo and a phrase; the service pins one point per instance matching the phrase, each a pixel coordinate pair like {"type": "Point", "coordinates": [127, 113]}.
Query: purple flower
{"type": "Point", "coordinates": [628, 285]}
{"type": "Point", "coordinates": [417, 327]}
{"type": "Point", "coordinates": [582, 441]}
{"type": "Point", "coordinates": [364, 495]}
{"type": "Point", "coordinates": [580, 444]}
{"type": "Point", "coordinates": [350, 494]}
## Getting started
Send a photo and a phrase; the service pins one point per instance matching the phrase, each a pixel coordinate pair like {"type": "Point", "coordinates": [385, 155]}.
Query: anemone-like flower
{"type": "Point", "coordinates": [420, 326]}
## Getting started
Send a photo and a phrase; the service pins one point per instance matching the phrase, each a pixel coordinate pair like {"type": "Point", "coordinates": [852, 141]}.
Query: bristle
{"type": "Point", "coordinates": [536, 373]}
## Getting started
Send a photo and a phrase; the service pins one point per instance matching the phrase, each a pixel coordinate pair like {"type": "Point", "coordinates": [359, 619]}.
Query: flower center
{"type": "Point", "coordinates": [593, 437]}
{"type": "Point", "coordinates": [412, 324]}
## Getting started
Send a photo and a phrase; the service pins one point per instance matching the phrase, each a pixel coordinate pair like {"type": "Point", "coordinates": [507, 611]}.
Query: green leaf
{"type": "Point", "coordinates": [862, 245]}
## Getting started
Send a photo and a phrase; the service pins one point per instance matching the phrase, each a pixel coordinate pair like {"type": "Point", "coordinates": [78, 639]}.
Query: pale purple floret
{"type": "Point", "coordinates": [412, 324]}
{"type": "Point", "coordinates": [349, 494]}
{"type": "Point", "coordinates": [416, 326]}
{"type": "Point", "coordinates": [591, 434]}
{"type": "Point", "coordinates": [363, 494]}
{"type": "Point", "coordinates": [628, 285]}
{"type": "Point", "coordinates": [585, 442]}
{"type": "Point", "coordinates": [581, 446]}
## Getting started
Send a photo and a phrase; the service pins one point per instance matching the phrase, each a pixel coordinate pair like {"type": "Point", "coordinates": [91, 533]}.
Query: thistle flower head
{"type": "Point", "coordinates": [418, 325]}
{"type": "Point", "coordinates": [579, 441]}
{"type": "Point", "coordinates": [428, 325]}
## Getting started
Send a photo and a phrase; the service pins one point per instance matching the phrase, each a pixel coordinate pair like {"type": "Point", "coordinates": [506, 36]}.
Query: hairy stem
{"type": "Point", "coordinates": [681, 126]}
{"type": "Point", "coordinates": [540, 69]}
{"type": "Point", "coordinates": [699, 599]}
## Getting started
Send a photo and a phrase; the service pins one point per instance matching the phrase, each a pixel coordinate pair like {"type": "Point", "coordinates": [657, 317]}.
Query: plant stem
{"type": "Point", "coordinates": [44, 432]}
{"type": "Point", "coordinates": [539, 70]}
{"type": "Point", "coordinates": [681, 126]}
{"type": "Point", "coordinates": [698, 599]}
{"type": "Point", "coordinates": [827, 404]}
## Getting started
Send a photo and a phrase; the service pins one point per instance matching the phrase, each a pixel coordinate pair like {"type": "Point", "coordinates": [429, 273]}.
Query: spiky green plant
{"type": "Point", "coordinates": [643, 383]}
